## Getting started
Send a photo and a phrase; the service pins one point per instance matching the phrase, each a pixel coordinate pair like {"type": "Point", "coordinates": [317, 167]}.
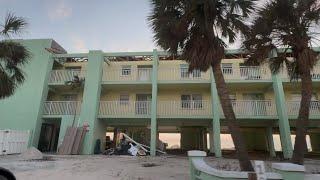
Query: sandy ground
{"type": "Point", "coordinates": [116, 167]}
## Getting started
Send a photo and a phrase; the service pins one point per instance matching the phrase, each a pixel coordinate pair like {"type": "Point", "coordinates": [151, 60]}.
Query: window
{"type": "Point", "coordinates": [191, 101]}
{"type": "Point", "coordinates": [227, 68]}
{"type": "Point", "coordinates": [124, 99]}
{"type": "Point", "coordinates": [126, 71]}
{"type": "Point", "coordinates": [184, 72]}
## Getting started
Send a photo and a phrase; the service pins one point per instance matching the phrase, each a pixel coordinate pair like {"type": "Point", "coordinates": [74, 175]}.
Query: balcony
{"type": "Point", "coordinates": [315, 74]}
{"type": "Point", "coordinates": [294, 106]}
{"type": "Point", "coordinates": [123, 109]}
{"type": "Point", "coordinates": [249, 73]}
{"type": "Point", "coordinates": [193, 109]}
{"type": "Point", "coordinates": [61, 107]}
{"type": "Point", "coordinates": [253, 109]}
{"type": "Point", "coordinates": [128, 75]}
{"type": "Point", "coordinates": [181, 74]}
{"type": "Point", "coordinates": [61, 76]}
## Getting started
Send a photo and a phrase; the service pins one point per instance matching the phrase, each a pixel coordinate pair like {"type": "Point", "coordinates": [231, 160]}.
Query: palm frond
{"type": "Point", "coordinates": [13, 25]}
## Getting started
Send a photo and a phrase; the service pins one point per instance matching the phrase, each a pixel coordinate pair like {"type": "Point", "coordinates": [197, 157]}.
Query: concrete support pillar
{"type": "Point", "coordinates": [153, 138]}
{"type": "Point", "coordinates": [65, 122]}
{"type": "Point", "coordinates": [315, 141]}
{"type": "Point", "coordinates": [211, 141]}
{"type": "Point", "coordinates": [216, 117]}
{"type": "Point", "coordinates": [91, 99]}
{"type": "Point", "coordinates": [284, 126]}
{"type": "Point", "coordinates": [272, 151]}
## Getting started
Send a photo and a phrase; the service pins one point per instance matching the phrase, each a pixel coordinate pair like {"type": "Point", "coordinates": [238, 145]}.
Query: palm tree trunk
{"type": "Point", "coordinates": [233, 125]}
{"type": "Point", "coordinates": [300, 145]}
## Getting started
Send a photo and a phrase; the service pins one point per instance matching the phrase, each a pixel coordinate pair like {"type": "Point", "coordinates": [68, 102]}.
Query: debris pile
{"type": "Point", "coordinates": [31, 153]}
{"type": "Point", "coordinates": [128, 146]}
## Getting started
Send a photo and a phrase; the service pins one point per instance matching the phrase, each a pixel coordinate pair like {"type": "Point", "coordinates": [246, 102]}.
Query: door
{"type": "Point", "coordinates": [46, 137]}
{"type": "Point", "coordinates": [255, 104]}
{"type": "Point", "coordinates": [144, 73]}
{"type": "Point", "coordinates": [143, 104]}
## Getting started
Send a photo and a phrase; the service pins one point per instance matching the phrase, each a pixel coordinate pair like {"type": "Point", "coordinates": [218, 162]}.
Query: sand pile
{"type": "Point", "coordinates": [31, 154]}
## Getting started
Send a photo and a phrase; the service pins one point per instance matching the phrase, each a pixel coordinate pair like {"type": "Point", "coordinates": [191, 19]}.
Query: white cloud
{"type": "Point", "coordinates": [59, 10]}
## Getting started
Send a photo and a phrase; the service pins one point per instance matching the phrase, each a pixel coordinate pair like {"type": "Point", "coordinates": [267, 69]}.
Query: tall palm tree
{"type": "Point", "coordinates": [12, 55]}
{"type": "Point", "coordinates": [290, 24]}
{"type": "Point", "coordinates": [198, 28]}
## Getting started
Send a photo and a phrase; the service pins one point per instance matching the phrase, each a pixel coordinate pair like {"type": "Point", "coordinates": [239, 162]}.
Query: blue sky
{"type": "Point", "coordinates": [79, 25]}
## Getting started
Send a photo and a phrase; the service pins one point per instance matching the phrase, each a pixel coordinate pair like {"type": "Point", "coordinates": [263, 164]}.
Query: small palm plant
{"type": "Point", "coordinates": [290, 24]}
{"type": "Point", "coordinates": [12, 55]}
{"type": "Point", "coordinates": [199, 28]}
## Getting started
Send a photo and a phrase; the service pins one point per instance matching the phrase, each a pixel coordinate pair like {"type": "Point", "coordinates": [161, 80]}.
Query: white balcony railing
{"type": "Point", "coordinates": [125, 108]}
{"type": "Point", "coordinates": [174, 74]}
{"type": "Point", "coordinates": [61, 76]}
{"type": "Point", "coordinates": [315, 73]}
{"type": "Point", "coordinates": [184, 108]}
{"type": "Point", "coordinates": [254, 108]}
{"type": "Point", "coordinates": [127, 74]}
{"type": "Point", "coordinates": [62, 108]}
{"type": "Point", "coordinates": [247, 73]}
{"type": "Point", "coordinates": [294, 106]}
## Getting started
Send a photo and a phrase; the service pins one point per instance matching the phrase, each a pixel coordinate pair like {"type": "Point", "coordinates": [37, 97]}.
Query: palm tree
{"type": "Point", "coordinates": [198, 28]}
{"type": "Point", "coordinates": [290, 24]}
{"type": "Point", "coordinates": [12, 55]}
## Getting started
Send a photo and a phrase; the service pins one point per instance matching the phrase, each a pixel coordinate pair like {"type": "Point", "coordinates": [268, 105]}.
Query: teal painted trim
{"type": "Point", "coordinates": [115, 54]}
{"type": "Point", "coordinates": [254, 117]}
{"type": "Point", "coordinates": [125, 116]}
{"type": "Point", "coordinates": [126, 82]}
{"type": "Point", "coordinates": [241, 81]}
{"type": "Point", "coordinates": [184, 82]}
{"type": "Point", "coordinates": [153, 138]}
{"type": "Point", "coordinates": [72, 55]}
{"type": "Point", "coordinates": [91, 99]}
{"type": "Point", "coordinates": [186, 117]}
{"type": "Point", "coordinates": [284, 126]}
{"type": "Point", "coordinates": [215, 117]}
{"type": "Point", "coordinates": [269, 133]}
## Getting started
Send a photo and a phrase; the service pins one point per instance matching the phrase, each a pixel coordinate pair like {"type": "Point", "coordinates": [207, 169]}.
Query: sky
{"type": "Point", "coordinates": [80, 25]}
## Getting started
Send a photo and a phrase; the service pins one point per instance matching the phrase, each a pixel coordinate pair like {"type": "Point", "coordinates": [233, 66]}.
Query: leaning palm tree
{"type": "Point", "coordinates": [199, 28]}
{"type": "Point", "coordinates": [290, 24]}
{"type": "Point", "coordinates": [12, 55]}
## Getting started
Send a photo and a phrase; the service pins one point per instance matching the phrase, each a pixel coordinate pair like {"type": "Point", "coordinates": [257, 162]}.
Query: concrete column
{"type": "Point", "coordinates": [65, 122]}
{"type": "Point", "coordinates": [153, 138]}
{"type": "Point", "coordinates": [91, 98]}
{"type": "Point", "coordinates": [216, 117]}
{"type": "Point", "coordinates": [211, 140]}
{"type": "Point", "coordinates": [270, 142]}
{"type": "Point", "coordinates": [284, 126]}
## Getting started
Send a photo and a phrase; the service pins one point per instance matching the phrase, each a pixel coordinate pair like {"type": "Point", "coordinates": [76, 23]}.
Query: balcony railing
{"type": "Point", "coordinates": [246, 73]}
{"type": "Point", "coordinates": [61, 76]}
{"type": "Point", "coordinates": [175, 74]}
{"type": "Point", "coordinates": [253, 108]}
{"type": "Point", "coordinates": [62, 108]}
{"type": "Point", "coordinates": [129, 74]}
{"type": "Point", "coordinates": [315, 73]}
{"type": "Point", "coordinates": [184, 108]}
{"type": "Point", "coordinates": [125, 108]}
{"type": "Point", "coordinates": [294, 106]}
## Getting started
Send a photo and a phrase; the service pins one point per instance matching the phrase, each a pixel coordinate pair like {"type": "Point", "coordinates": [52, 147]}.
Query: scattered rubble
{"type": "Point", "coordinates": [31, 153]}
